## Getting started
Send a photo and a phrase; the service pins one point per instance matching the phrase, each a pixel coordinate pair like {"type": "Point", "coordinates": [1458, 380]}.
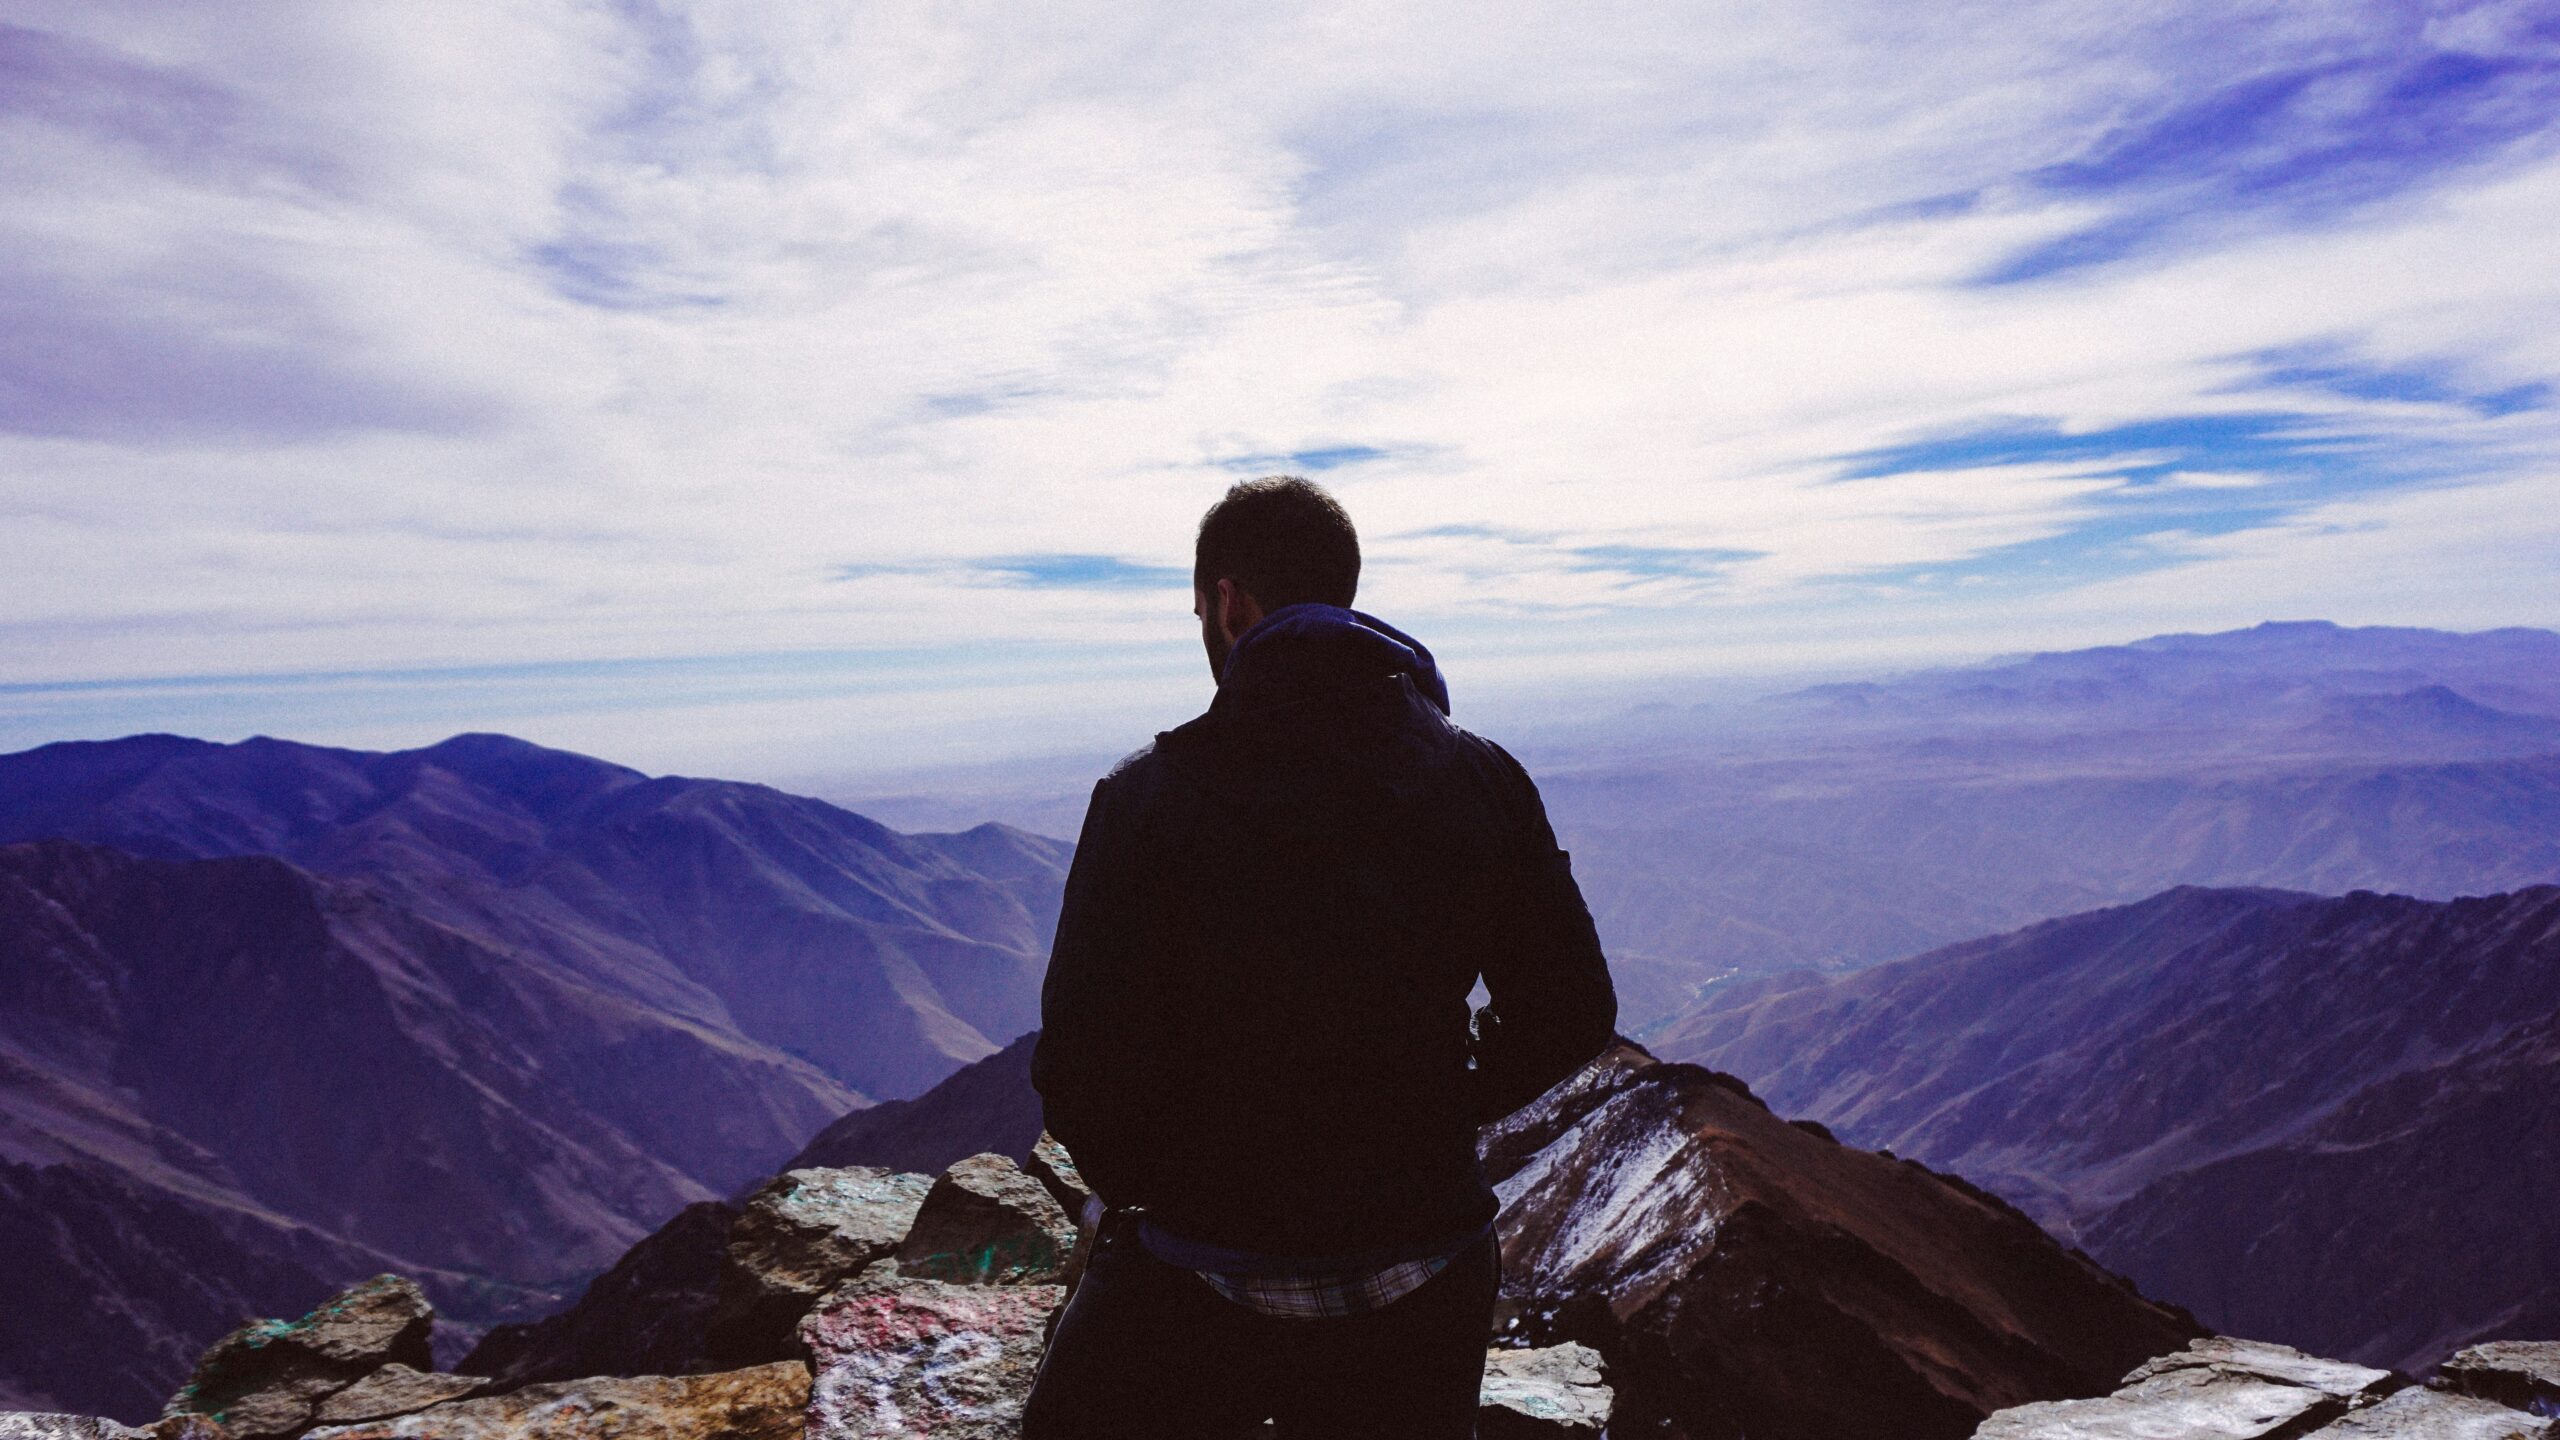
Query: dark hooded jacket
{"type": "Point", "coordinates": [1256, 1022]}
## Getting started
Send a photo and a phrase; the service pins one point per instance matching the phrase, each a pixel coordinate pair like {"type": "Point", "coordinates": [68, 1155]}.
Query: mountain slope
{"type": "Point", "coordinates": [482, 1013]}
{"type": "Point", "coordinates": [887, 960]}
{"type": "Point", "coordinates": [2325, 1121]}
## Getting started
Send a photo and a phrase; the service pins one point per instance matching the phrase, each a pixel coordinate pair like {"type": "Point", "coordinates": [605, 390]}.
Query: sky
{"type": "Point", "coordinates": [798, 387]}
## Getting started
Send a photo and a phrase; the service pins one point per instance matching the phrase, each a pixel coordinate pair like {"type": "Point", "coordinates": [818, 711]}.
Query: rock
{"type": "Point", "coordinates": [802, 1233]}
{"type": "Point", "coordinates": [1055, 1169]}
{"type": "Point", "coordinates": [648, 1315]}
{"type": "Point", "coordinates": [2433, 1415]}
{"type": "Point", "coordinates": [2521, 1373]}
{"type": "Point", "coordinates": [27, 1425]}
{"type": "Point", "coordinates": [269, 1377]}
{"type": "Point", "coordinates": [899, 1357]}
{"type": "Point", "coordinates": [1552, 1394]}
{"type": "Point", "coordinates": [2216, 1389]}
{"type": "Point", "coordinates": [2224, 1355]}
{"type": "Point", "coordinates": [765, 1402]}
{"type": "Point", "coordinates": [987, 1223]}
{"type": "Point", "coordinates": [1745, 1277]}
{"type": "Point", "coordinates": [396, 1390]}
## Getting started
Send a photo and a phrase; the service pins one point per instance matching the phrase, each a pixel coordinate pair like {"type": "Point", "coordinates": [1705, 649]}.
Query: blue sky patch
{"type": "Point", "coordinates": [2330, 368]}
{"type": "Point", "coordinates": [2304, 145]}
{"type": "Point", "coordinates": [1312, 462]}
{"type": "Point", "coordinates": [1083, 572]}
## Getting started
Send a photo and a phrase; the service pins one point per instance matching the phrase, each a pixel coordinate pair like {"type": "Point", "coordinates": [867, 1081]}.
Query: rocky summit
{"type": "Point", "coordinates": [1678, 1262]}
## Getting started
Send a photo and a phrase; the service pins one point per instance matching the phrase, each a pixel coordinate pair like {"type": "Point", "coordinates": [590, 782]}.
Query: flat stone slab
{"type": "Point", "coordinates": [2268, 1361]}
{"type": "Point", "coordinates": [2433, 1415]}
{"type": "Point", "coordinates": [987, 1223]}
{"type": "Point", "coordinates": [2218, 1388]}
{"type": "Point", "coordinates": [898, 1357]}
{"type": "Point", "coordinates": [2196, 1407]}
{"type": "Point", "coordinates": [2521, 1373]}
{"type": "Point", "coordinates": [396, 1390]}
{"type": "Point", "coordinates": [766, 1402]}
{"type": "Point", "coordinates": [1555, 1393]}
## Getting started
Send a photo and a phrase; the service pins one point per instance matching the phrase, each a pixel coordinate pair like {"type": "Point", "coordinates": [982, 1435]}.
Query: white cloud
{"type": "Point", "coordinates": [620, 331]}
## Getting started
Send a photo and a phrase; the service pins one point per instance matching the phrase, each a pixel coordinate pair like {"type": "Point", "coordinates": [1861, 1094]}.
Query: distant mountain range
{"type": "Point", "coordinates": [483, 1012]}
{"type": "Point", "coordinates": [1846, 825]}
{"type": "Point", "coordinates": [2329, 1122]}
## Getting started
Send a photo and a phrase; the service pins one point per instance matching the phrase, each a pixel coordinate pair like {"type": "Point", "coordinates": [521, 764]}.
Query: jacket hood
{"type": "Point", "coordinates": [1298, 651]}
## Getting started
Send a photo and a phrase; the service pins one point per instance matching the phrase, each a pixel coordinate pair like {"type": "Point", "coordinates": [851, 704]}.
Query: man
{"type": "Point", "coordinates": [1255, 1034]}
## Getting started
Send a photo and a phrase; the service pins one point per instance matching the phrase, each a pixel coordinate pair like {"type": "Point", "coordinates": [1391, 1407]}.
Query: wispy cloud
{"type": "Point", "coordinates": [1636, 339]}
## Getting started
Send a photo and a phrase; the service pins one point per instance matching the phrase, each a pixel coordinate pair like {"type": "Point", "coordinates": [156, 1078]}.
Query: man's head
{"type": "Point", "coordinates": [1280, 540]}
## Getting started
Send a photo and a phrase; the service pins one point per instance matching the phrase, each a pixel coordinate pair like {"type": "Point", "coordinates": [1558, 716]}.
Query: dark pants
{"type": "Point", "coordinates": [1147, 1351]}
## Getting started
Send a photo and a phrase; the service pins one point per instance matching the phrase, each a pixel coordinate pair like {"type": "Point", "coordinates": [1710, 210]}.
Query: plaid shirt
{"type": "Point", "coordinates": [1326, 1296]}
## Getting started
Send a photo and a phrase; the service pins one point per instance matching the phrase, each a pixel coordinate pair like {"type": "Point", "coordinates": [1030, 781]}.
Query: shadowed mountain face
{"type": "Point", "coordinates": [2328, 1122]}
{"type": "Point", "coordinates": [482, 1013]}
{"type": "Point", "coordinates": [988, 1108]}
{"type": "Point", "coordinates": [1851, 824]}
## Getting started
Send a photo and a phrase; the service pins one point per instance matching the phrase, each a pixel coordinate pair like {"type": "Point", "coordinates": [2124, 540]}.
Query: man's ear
{"type": "Point", "coordinates": [1238, 611]}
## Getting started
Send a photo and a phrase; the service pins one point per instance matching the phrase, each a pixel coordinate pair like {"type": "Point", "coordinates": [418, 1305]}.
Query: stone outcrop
{"type": "Point", "coordinates": [801, 1234]}
{"type": "Point", "coordinates": [2524, 1374]}
{"type": "Point", "coordinates": [29, 1426]}
{"type": "Point", "coordinates": [2217, 1387]}
{"type": "Point", "coordinates": [766, 1402]}
{"type": "Point", "coordinates": [269, 1378]}
{"type": "Point", "coordinates": [987, 1223]}
{"type": "Point", "coordinates": [2227, 1389]}
{"type": "Point", "coordinates": [897, 1356]}
{"type": "Point", "coordinates": [1557, 1393]}
{"type": "Point", "coordinates": [2432, 1415]}
{"type": "Point", "coordinates": [1747, 1277]}
{"type": "Point", "coordinates": [648, 1315]}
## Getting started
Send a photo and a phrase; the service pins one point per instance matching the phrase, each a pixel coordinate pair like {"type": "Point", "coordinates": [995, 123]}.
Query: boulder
{"type": "Point", "coordinates": [800, 1234]}
{"type": "Point", "coordinates": [2432, 1415]}
{"type": "Point", "coordinates": [28, 1425]}
{"type": "Point", "coordinates": [987, 1223]}
{"type": "Point", "coordinates": [2521, 1373]}
{"type": "Point", "coordinates": [765, 1402]}
{"type": "Point", "coordinates": [2218, 1388]}
{"type": "Point", "coordinates": [1555, 1393]}
{"type": "Point", "coordinates": [1746, 1277]}
{"type": "Point", "coordinates": [898, 1357]}
{"type": "Point", "coordinates": [268, 1379]}
{"type": "Point", "coordinates": [396, 1390]}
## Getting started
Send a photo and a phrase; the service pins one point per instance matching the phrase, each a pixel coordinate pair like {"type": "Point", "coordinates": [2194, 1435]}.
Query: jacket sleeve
{"type": "Point", "coordinates": [1553, 1007]}
{"type": "Point", "coordinates": [1086, 1063]}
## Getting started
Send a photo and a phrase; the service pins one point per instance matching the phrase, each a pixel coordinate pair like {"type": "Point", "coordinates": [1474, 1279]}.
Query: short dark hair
{"type": "Point", "coordinates": [1283, 540]}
